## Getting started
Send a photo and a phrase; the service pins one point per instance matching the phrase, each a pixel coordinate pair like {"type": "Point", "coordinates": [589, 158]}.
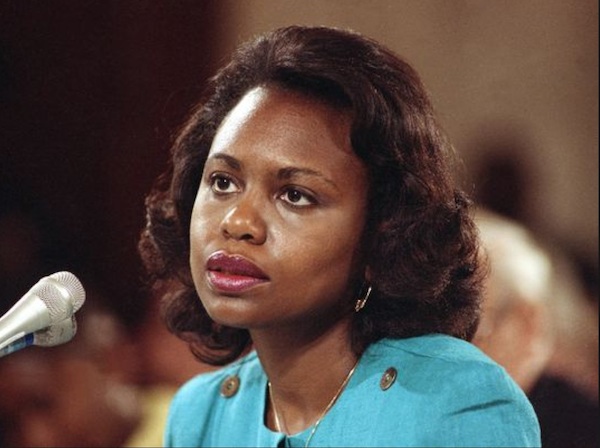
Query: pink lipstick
{"type": "Point", "coordinates": [233, 273]}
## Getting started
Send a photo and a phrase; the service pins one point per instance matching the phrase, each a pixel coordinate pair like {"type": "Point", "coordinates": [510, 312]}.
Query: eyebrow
{"type": "Point", "coordinates": [291, 172]}
{"type": "Point", "coordinates": [231, 161]}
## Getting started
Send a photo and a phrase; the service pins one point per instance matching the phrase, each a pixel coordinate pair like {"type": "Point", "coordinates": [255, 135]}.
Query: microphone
{"type": "Point", "coordinates": [51, 300]}
{"type": "Point", "coordinates": [48, 337]}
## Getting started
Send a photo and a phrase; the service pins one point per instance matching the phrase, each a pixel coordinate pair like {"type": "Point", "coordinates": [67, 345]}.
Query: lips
{"type": "Point", "coordinates": [233, 273]}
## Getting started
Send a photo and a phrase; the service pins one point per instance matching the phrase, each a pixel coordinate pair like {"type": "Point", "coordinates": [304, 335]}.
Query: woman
{"type": "Point", "coordinates": [326, 258]}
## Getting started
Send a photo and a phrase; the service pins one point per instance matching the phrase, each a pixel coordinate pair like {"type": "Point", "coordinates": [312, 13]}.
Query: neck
{"type": "Point", "coordinates": [300, 385]}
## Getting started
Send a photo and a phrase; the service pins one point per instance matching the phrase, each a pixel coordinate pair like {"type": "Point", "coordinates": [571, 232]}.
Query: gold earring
{"type": "Point", "coordinates": [360, 303]}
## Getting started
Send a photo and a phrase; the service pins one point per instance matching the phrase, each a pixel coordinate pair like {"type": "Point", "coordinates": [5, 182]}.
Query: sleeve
{"type": "Point", "coordinates": [485, 407]}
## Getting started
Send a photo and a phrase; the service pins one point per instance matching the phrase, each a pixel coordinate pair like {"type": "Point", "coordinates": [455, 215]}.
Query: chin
{"type": "Point", "coordinates": [229, 312]}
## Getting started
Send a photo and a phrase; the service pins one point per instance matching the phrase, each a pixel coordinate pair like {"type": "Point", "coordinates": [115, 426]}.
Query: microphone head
{"type": "Point", "coordinates": [73, 286]}
{"type": "Point", "coordinates": [62, 294]}
{"type": "Point", "coordinates": [56, 334]}
{"type": "Point", "coordinates": [51, 300]}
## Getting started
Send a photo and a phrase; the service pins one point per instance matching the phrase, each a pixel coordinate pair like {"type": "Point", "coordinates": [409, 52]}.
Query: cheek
{"type": "Point", "coordinates": [197, 237]}
{"type": "Point", "coordinates": [203, 223]}
{"type": "Point", "coordinates": [323, 271]}
{"type": "Point", "coordinates": [328, 252]}
{"type": "Point", "coordinates": [204, 228]}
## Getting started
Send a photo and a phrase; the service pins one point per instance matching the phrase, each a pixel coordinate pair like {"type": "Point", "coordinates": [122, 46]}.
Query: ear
{"type": "Point", "coordinates": [537, 329]}
{"type": "Point", "coordinates": [526, 331]}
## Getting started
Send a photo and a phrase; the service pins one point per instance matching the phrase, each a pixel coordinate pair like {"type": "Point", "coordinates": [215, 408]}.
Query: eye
{"type": "Point", "coordinates": [297, 198]}
{"type": "Point", "coordinates": [222, 184]}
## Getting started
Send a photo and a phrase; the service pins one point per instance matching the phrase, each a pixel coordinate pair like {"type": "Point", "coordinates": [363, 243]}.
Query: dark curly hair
{"type": "Point", "coordinates": [421, 243]}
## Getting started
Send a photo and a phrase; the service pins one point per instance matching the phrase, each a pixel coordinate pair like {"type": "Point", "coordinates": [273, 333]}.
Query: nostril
{"type": "Point", "coordinates": [244, 222]}
{"type": "Point", "coordinates": [242, 236]}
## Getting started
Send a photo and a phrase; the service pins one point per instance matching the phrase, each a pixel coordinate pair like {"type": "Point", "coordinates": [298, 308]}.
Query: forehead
{"type": "Point", "coordinates": [278, 114]}
{"type": "Point", "coordinates": [272, 129]}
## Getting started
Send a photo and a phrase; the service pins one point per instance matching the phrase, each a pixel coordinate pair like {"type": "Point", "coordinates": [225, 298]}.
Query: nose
{"type": "Point", "coordinates": [244, 222]}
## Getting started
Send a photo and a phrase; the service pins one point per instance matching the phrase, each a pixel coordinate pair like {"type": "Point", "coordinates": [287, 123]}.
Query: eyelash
{"type": "Point", "coordinates": [283, 195]}
{"type": "Point", "coordinates": [216, 177]}
{"type": "Point", "coordinates": [308, 197]}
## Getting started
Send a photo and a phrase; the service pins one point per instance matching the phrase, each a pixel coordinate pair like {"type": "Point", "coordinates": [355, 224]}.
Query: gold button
{"type": "Point", "coordinates": [388, 378]}
{"type": "Point", "coordinates": [230, 386]}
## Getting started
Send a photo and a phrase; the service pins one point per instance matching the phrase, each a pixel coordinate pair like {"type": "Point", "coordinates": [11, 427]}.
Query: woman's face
{"type": "Point", "coordinates": [279, 214]}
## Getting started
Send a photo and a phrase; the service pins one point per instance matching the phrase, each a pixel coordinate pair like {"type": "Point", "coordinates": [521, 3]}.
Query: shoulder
{"type": "Point", "coordinates": [199, 401]}
{"type": "Point", "coordinates": [432, 346]}
{"type": "Point", "coordinates": [211, 384]}
{"type": "Point", "coordinates": [446, 388]}
{"type": "Point", "coordinates": [432, 356]}
{"type": "Point", "coordinates": [443, 363]}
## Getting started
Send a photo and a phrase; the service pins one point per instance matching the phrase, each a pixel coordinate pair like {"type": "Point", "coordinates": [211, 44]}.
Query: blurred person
{"type": "Point", "coordinates": [141, 359]}
{"type": "Point", "coordinates": [566, 395]}
{"type": "Point", "coordinates": [311, 217]}
{"type": "Point", "coordinates": [516, 326]}
{"type": "Point", "coordinates": [575, 317]}
{"type": "Point", "coordinates": [537, 327]}
{"type": "Point", "coordinates": [165, 363]}
{"type": "Point", "coordinates": [82, 393]}
{"type": "Point", "coordinates": [110, 386]}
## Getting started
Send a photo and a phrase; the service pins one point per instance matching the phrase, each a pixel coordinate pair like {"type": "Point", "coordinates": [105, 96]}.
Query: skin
{"type": "Point", "coordinates": [283, 189]}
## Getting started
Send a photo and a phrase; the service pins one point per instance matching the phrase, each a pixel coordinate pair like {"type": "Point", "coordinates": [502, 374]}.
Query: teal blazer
{"type": "Point", "coordinates": [424, 391]}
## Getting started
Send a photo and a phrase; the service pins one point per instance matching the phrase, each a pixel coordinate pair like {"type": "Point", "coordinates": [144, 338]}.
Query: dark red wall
{"type": "Point", "coordinates": [90, 93]}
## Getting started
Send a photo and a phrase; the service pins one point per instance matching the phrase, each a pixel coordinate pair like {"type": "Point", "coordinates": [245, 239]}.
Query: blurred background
{"type": "Point", "coordinates": [92, 92]}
